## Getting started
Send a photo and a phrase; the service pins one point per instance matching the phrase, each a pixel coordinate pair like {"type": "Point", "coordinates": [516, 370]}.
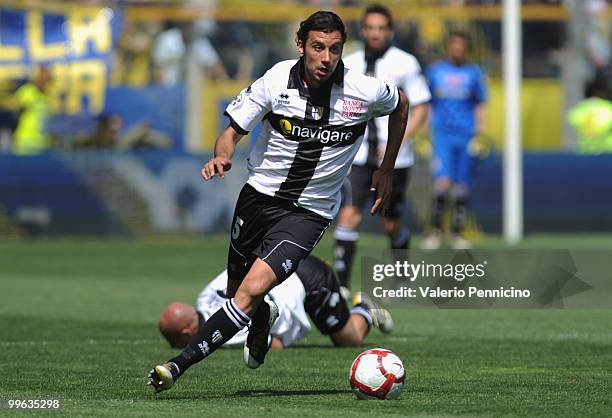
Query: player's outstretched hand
{"type": "Point", "coordinates": [382, 183]}
{"type": "Point", "coordinates": [218, 165]}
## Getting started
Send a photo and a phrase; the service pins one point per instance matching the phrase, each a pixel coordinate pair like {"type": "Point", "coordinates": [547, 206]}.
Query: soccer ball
{"type": "Point", "coordinates": [377, 374]}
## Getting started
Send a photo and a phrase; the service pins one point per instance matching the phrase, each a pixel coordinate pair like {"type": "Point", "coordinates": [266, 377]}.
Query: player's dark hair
{"type": "Point", "coordinates": [378, 9]}
{"type": "Point", "coordinates": [459, 34]}
{"type": "Point", "coordinates": [321, 21]}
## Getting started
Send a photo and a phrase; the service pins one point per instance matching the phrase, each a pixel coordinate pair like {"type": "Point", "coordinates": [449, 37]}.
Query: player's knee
{"type": "Point", "coordinates": [442, 185]}
{"type": "Point", "coordinates": [350, 217]}
{"type": "Point", "coordinates": [253, 287]}
{"type": "Point", "coordinates": [348, 336]}
{"type": "Point", "coordinates": [347, 340]}
{"type": "Point", "coordinates": [259, 280]}
{"type": "Point", "coordinates": [354, 341]}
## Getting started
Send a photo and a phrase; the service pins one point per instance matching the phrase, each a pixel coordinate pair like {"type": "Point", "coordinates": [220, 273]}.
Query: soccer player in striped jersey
{"type": "Point", "coordinates": [313, 291]}
{"type": "Point", "coordinates": [314, 112]}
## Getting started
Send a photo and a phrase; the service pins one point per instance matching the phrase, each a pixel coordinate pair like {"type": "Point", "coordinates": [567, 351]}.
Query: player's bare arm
{"type": "Point", "coordinates": [224, 150]}
{"type": "Point", "coordinates": [418, 118]}
{"type": "Point", "coordinates": [382, 180]}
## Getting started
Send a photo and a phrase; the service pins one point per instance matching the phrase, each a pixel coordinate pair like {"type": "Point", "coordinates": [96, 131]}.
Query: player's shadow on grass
{"type": "Point", "coordinates": [272, 393]}
{"type": "Point", "coordinates": [322, 346]}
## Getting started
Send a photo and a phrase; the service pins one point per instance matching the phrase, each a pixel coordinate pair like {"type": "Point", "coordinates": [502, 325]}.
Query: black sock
{"type": "Point", "coordinates": [344, 252]}
{"type": "Point", "coordinates": [460, 214]}
{"type": "Point", "coordinates": [219, 328]}
{"type": "Point", "coordinates": [261, 316]}
{"type": "Point", "coordinates": [437, 210]}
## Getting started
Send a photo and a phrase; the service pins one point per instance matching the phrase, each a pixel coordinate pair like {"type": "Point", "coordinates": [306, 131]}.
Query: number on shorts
{"type": "Point", "coordinates": [236, 228]}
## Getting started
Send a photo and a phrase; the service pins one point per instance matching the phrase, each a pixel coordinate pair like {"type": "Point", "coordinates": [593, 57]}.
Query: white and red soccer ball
{"type": "Point", "coordinates": [377, 374]}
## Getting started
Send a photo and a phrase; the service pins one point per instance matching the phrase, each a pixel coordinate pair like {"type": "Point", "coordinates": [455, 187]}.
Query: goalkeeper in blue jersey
{"type": "Point", "coordinates": [459, 94]}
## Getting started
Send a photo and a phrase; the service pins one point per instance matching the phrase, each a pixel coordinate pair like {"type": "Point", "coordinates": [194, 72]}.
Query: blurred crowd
{"type": "Point", "coordinates": [160, 53]}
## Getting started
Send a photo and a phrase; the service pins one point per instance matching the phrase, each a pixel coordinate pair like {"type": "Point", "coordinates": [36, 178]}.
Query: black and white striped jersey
{"type": "Point", "coordinates": [404, 70]}
{"type": "Point", "coordinates": [308, 140]}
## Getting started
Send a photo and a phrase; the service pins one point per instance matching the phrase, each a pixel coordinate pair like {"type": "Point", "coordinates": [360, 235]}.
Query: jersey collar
{"type": "Point", "coordinates": [297, 72]}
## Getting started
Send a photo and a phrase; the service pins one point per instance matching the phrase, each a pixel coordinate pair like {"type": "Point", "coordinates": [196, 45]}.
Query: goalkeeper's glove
{"type": "Point", "coordinates": [480, 146]}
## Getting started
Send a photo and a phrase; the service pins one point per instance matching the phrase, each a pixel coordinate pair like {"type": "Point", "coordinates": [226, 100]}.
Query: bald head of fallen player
{"type": "Point", "coordinates": [178, 323]}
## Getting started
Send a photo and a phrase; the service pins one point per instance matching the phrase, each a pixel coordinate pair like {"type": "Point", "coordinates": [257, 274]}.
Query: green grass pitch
{"type": "Point", "coordinates": [78, 322]}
